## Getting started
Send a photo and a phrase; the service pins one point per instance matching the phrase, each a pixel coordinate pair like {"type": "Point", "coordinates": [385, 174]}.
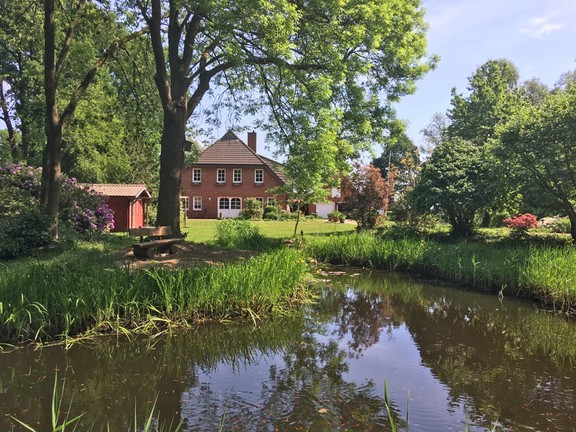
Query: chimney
{"type": "Point", "coordinates": [252, 141]}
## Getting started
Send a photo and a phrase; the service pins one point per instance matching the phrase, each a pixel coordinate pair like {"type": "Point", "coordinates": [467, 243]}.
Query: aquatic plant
{"type": "Point", "coordinates": [547, 273]}
{"type": "Point", "coordinates": [55, 300]}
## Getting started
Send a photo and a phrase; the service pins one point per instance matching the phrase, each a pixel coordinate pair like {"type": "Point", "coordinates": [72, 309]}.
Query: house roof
{"type": "Point", "coordinates": [231, 150]}
{"type": "Point", "coordinates": [276, 167]}
{"type": "Point", "coordinates": [119, 190]}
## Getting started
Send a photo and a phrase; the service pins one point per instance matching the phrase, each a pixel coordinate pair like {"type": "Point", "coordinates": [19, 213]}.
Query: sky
{"type": "Point", "coordinates": [538, 36]}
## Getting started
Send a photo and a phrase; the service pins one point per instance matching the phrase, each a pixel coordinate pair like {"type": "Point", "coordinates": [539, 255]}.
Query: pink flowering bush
{"type": "Point", "coordinates": [521, 223]}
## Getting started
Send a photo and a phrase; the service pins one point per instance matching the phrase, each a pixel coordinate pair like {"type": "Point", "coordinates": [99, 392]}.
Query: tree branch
{"type": "Point", "coordinates": [81, 89]}
{"type": "Point", "coordinates": [192, 30]}
{"type": "Point", "coordinates": [68, 41]}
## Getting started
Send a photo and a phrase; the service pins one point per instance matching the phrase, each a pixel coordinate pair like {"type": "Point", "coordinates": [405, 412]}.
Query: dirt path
{"type": "Point", "coordinates": [188, 255]}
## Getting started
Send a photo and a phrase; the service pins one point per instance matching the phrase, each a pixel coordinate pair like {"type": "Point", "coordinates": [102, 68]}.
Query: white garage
{"type": "Point", "coordinates": [322, 209]}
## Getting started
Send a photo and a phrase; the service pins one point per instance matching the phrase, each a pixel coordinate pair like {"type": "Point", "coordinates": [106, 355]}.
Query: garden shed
{"type": "Point", "coordinates": [129, 202]}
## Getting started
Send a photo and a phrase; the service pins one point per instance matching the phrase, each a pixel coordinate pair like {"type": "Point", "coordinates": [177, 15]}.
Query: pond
{"type": "Point", "coordinates": [449, 359]}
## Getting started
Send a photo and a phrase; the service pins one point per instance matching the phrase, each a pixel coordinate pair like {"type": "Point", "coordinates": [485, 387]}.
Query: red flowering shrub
{"type": "Point", "coordinates": [522, 222]}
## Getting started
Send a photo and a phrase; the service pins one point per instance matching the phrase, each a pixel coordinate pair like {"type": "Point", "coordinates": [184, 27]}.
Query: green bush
{"type": "Point", "coordinates": [556, 224]}
{"type": "Point", "coordinates": [238, 233]}
{"type": "Point", "coordinates": [252, 209]}
{"type": "Point", "coordinates": [23, 232]}
{"type": "Point", "coordinates": [271, 213]}
{"type": "Point", "coordinates": [286, 215]}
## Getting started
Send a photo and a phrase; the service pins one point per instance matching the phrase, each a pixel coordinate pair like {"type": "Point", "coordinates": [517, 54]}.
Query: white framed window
{"type": "Point", "coordinates": [271, 201]}
{"type": "Point", "coordinates": [185, 203]}
{"type": "Point", "coordinates": [221, 175]}
{"type": "Point", "coordinates": [235, 204]}
{"type": "Point", "coordinates": [261, 201]}
{"type": "Point", "coordinates": [223, 204]}
{"type": "Point", "coordinates": [196, 175]}
{"type": "Point", "coordinates": [258, 175]}
{"type": "Point", "coordinates": [197, 203]}
{"type": "Point", "coordinates": [237, 175]}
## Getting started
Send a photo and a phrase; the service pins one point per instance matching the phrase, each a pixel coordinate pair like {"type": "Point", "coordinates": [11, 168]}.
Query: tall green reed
{"type": "Point", "coordinates": [47, 301]}
{"type": "Point", "coordinates": [546, 272]}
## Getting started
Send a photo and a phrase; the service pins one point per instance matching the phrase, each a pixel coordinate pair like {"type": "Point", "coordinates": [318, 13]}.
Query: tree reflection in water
{"type": "Point", "coordinates": [491, 360]}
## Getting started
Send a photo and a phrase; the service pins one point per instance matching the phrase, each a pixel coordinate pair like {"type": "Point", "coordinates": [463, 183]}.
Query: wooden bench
{"type": "Point", "coordinates": [155, 242]}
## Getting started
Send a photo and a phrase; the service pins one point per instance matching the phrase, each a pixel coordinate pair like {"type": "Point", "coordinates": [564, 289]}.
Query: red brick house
{"type": "Point", "coordinates": [225, 174]}
{"type": "Point", "coordinates": [129, 202]}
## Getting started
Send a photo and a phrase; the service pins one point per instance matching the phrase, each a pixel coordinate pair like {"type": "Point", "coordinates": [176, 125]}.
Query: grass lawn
{"type": "Point", "coordinates": [202, 230]}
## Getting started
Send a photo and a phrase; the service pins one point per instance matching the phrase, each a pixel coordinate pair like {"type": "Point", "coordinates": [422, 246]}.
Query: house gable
{"type": "Point", "coordinates": [227, 170]}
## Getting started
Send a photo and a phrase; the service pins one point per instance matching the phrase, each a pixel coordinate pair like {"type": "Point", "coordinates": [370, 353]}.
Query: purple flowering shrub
{"type": "Point", "coordinates": [24, 228]}
{"type": "Point", "coordinates": [85, 209]}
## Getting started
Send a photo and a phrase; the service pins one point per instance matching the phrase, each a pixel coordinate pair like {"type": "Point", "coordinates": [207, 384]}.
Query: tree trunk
{"type": "Point", "coordinates": [50, 192]}
{"type": "Point", "coordinates": [297, 219]}
{"type": "Point", "coordinates": [486, 219]}
{"type": "Point", "coordinates": [54, 149]}
{"type": "Point", "coordinates": [572, 216]}
{"type": "Point", "coordinates": [171, 165]}
{"type": "Point", "coordinates": [8, 121]}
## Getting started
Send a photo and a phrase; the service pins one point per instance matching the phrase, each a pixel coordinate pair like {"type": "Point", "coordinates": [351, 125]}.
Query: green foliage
{"type": "Point", "coordinates": [83, 292]}
{"type": "Point", "coordinates": [400, 153]}
{"type": "Point", "coordinates": [545, 272]}
{"type": "Point", "coordinates": [271, 213]}
{"type": "Point", "coordinates": [453, 183]}
{"type": "Point", "coordinates": [556, 224]}
{"type": "Point", "coordinates": [473, 118]}
{"type": "Point", "coordinates": [489, 104]}
{"type": "Point", "coordinates": [284, 215]}
{"type": "Point", "coordinates": [327, 74]}
{"type": "Point", "coordinates": [24, 228]}
{"type": "Point", "coordinates": [538, 142]}
{"type": "Point", "coordinates": [23, 233]}
{"type": "Point", "coordinates": [252, 209]}
{"type": "Point", "coordinates": [239, 233]}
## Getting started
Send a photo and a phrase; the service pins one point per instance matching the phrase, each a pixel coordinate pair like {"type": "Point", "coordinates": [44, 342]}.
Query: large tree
{"type": "Point", "coordinates": [489, 103]}
{"type": "Point", "coordinates": [314, 65]}
{"type": "Point", "coordinates": [473, 119]}
{"type": "Point", "coordinates": [453, 182]}
{"type": "Point", "coordinates": [78, 16]}
{"type": "Point", "coordinates": [539, 142]}
{"type": "Point", "coordinates": [21, 76]}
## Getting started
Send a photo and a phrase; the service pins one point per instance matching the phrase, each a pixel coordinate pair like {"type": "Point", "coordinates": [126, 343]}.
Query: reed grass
{"type": "Point", "coordinates": [59, 299]}
{"type": "Point", "coordinates": [544, 272]}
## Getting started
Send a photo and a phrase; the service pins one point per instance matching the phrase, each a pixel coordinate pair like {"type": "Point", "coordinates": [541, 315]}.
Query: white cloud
{"type": "Point", "coordinates": [540, 27]}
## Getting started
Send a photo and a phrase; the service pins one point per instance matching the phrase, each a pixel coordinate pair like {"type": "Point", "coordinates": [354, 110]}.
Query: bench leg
{"type": "Point", "coordinates": [172, 249]}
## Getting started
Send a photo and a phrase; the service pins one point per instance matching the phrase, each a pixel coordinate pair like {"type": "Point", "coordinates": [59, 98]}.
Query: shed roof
{"type": "Point", "coordinates": [119, 190]}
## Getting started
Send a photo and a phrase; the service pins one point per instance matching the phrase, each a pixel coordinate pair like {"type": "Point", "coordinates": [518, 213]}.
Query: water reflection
{"type": "Point", "coordinates": [460, 357]}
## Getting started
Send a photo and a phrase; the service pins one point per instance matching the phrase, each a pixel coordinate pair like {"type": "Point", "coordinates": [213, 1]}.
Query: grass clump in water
{"type": "Point", "coordinates": [545, 272]}
{"type": "Point", "coordinates": [60, 299]}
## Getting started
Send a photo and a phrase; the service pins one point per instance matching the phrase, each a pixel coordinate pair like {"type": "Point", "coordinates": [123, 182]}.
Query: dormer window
{"type": "Point", "coordinates": [221, 175]}
{"type": "Point", "coordinates": [258, 176]}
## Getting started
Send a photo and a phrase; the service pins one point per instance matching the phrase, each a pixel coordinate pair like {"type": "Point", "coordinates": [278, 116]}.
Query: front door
{"type": "Point", "coordinates": [229, 207]}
